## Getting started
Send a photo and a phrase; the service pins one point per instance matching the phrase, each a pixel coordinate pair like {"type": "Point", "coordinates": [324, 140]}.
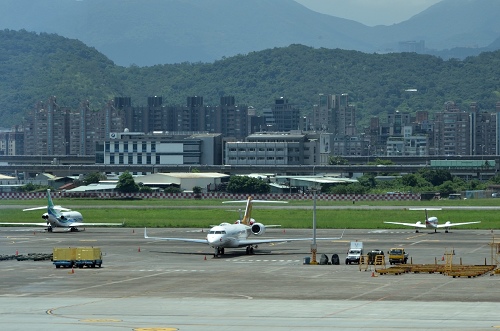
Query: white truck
{"type": "Point", "coordinates": [354, 253]}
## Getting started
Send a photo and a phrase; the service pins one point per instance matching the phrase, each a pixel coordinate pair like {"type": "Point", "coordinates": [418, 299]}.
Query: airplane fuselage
{"type": "Point", "coordinates": [228, 235]}
{"type": "Point", "coordinates": [431, 222]}
{"type": "Point", "coordinates": [65, 220]}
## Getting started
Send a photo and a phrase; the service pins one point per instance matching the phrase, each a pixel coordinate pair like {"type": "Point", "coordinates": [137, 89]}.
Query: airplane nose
{"type": "Point", "coordinates": [215, 239]}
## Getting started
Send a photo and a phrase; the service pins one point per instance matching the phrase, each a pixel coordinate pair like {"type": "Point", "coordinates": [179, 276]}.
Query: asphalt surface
{"type": "Point", "coordinates": [154, 285]}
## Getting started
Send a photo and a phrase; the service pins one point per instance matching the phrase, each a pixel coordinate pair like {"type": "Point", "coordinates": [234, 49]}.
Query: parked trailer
{"type": "Point", "coordinates": [64, 256]}
{"type": "Point", "coordinates": [77, 257]}
{"type": "Point", "coordinates": [88, 256]}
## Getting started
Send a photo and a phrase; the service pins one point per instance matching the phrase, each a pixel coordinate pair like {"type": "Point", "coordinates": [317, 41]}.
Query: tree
{"type": "Point", "coordinates": [244, 184]}
{"type": "Point", "coordinates": [93, 177]}
{"type": "Point", "coordinates": [144, 189]}
{"type": "Point", "coordinates": [126, 183]}
{"type": "Point", "coordinates": [337, 160]}
{"type": "Point", "coordinates": [435, 177]}
{"type": "Point", "coordinates": [172, 189]}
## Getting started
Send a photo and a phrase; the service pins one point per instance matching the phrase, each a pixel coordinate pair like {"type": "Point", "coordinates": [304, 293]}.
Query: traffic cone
{"type": "Point", "coordinates": [133, 230]}
{"type": "Point", "coordinates": [442, 259]}
{"type": "Point", "coordinates": [201, 230]}
{"type": "Point", "coordinates": [17, 253]}
{"type": "Point", "coordinates": [373, 273]}
{"type": "Point", "coordinates": [284, 231]}
{"type": "Point", "coordinates": [205, 258]}
{"type": "Point", "coordinates": [72, 270]}
{"type": "Point", "coordinates": [34, 233]}
{"type": "Point", "coordinates": [139, 249]}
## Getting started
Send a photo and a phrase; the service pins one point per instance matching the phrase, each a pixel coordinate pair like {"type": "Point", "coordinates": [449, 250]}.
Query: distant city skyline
{"type": "Point", "coordinates": [370, 12]}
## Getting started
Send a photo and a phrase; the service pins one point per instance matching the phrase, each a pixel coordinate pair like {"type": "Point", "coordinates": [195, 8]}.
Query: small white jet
{"type": "Point", "coordinates": [235, 235]}
{"type": "Point", "coordinates": [59, 217]}
{"type": "Point", "coordinates": [431, 222]}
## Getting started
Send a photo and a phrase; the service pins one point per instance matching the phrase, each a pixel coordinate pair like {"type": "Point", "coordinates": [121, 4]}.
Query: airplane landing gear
{"type": "Point", "coordinates": [49, 229]}
{"type": "Point", "coordinates": [218, 252]}
{"type": "Point", "coordinates": [73, 229]}
{"type": "Point", "coordinates": [249, 250]}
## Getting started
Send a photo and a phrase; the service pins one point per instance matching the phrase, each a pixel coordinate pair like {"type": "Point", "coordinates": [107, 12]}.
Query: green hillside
{"type": "Point", "coordinates": [36, 66]}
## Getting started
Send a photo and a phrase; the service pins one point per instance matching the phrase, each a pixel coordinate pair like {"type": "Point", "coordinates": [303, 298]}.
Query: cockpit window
{"type": "Point", "coordinates": [217, 232]}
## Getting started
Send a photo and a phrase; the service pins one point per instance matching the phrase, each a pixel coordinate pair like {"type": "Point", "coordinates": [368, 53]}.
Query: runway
{"type": "Point", "coordinates": [152, 285]}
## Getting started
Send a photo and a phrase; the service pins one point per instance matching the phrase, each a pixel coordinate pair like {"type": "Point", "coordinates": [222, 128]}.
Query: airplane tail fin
{"type": "Point", "coordinates": [248, 212]}
{"type": "Point", "coordinates": [50, 206]}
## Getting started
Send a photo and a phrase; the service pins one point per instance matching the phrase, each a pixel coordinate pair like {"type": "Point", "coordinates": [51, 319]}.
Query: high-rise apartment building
{"type": "Point", "coordinates": [46, 129]}
{"type": "Point", "coordinates": [286, 116]}
{"type": "Point", "coordinates": [452, 131]}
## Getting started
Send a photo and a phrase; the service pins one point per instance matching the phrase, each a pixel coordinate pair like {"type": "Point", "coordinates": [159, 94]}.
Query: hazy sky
{"type": "Point", "coordinates": [370, 12]}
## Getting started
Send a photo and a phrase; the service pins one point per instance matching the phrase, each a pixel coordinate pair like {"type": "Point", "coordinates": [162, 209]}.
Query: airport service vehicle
{"type": "Point", "coordinates": [88, 256]}
{"type": "Point", "coordinates": [59, 217]}
{"type": "Point", "coordinates": [235, 235]}
{"type": "Point", "coordinates": [64, 256]}
{"type": "Point", "coordinates": [77, 257]}
{"type": "Point", "coordinates": [431, 222]}
{"type": "Point", "coordinates": [397, 255]}
{"type": "Point", "coordinates": [354, 253]}
{"type": "Point", "coordinates": [373, 254]}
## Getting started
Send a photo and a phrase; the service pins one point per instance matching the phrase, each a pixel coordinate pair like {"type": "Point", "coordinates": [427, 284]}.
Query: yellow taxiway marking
{"type": "Point", "coordinates": [417, 235]}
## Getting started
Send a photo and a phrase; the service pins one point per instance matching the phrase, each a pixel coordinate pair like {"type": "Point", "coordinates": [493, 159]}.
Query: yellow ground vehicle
{"type": "Point", "coordinates": [76, 257]}
{"type": "Point", "coordinates": [397, 255]}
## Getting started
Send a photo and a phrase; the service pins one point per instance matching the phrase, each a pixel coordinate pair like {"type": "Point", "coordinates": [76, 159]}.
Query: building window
{"type": "Point", "coordinates": [139, 159]}
{"type": "Point", "coordinates": [130, 159]}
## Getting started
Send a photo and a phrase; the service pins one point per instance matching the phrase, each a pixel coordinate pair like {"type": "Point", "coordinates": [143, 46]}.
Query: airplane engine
{"type": "Point", "coordinates": [45, 216]}
{"type": "Point", "coordinates": [258, 229]}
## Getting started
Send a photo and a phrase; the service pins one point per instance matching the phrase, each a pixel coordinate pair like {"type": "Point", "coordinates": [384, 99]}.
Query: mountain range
{"type": "Point", "coordinates": [151, 32]}
{"type": "Point", "coordinates": [34, 67]}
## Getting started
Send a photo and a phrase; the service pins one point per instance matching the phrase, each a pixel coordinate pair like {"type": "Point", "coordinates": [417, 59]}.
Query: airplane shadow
{"type": "Point", "coordinates": [235, 253]}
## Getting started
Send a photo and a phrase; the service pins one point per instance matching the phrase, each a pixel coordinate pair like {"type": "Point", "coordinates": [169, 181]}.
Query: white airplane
{"type": "Point", "coordinates": [431, 222]}
{"type": "Point", "coordinates": [235, 235]}
{"type": "Point", "coordinates": [59, 217]}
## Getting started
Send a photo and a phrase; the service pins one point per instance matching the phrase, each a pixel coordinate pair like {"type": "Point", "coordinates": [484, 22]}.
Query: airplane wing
{"type": "Point", "coordinates": [45, 207]}
{"type": "Point", "coordinates": [447, 225]}
{"type": "Point", "coordinates": [415, 225]}
{"type": "Point", "coordinates": [19, 223]}
{"type": "Point", "coordinates": [96, 224]}
{"type": "Point", "coordinates": [198, 241]}
{"type": "Point", "coordinates": [74, 224]}
{"type": "Point", "coordinates": [247, 242]}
